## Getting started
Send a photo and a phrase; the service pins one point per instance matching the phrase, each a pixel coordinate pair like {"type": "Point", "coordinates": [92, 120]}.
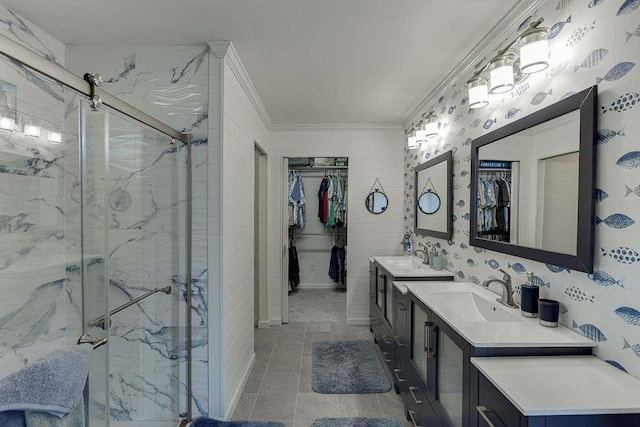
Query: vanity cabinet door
{"type": "Point", "coordinates": [388, 300]}
{"type": "Point", "coordinates": [380, 289]}
{"type": "Point", "coordinates": [372, 293]}
{"type": "Point", "coordinates": [422, 351]}
{"type": "Point", "coordinates": [450, 379]}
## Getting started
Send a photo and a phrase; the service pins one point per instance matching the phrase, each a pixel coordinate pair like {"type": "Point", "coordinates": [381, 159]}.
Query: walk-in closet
{"type": "Point", "coordinates": [317, 220]}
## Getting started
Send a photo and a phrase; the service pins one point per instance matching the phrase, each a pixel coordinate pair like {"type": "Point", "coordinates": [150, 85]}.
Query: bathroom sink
{"type": "Point", "coordinates": [474, 308]}
{"type": "Point", "coordinates": [406, 263]}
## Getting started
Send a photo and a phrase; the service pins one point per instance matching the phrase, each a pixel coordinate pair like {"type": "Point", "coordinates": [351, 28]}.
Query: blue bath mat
{"type": "Point", "coordinates": [348, 367]}
{"type": "Point", "coordinates": [208, 422]}
{"type": "Point", "coordinates": [357, 422]}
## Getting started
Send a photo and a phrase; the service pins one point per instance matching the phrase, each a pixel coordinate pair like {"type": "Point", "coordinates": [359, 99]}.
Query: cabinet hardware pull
{"type": "Point", "coordinates": [413, 420]}
{"type": "Point", "coordinates": [395, 337]}
{"type": "Point", "coordinates": [372, 272]}
{"type": "Point", "coordinates": [395, 372]}
{"type": "Point", "coordinates": [371, 294]}
{"type": "Point", "coordinates": [386, 341]}
{"type": "Point", "coordinates": [382, 276]}
{"type": "Point", "coordinates": [400, 306]}
{"type": "Point", "coordinates": [415, 399]}
{"type": "Point", "coordinates": [429, 335]}
{"type": "Point", "coordinates": [385, 354]}
{"type": "Point", "coordinates": [482, 410]}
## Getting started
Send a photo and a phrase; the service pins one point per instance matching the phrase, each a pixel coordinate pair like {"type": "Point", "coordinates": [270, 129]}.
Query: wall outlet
{"type": "Point", "coordinates": [312, 267]}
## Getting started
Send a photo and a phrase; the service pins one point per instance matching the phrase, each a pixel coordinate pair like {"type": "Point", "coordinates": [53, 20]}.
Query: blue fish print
{"type": "Point", "coordinates": [602, 278]}
{"type": "Point", "coordinates": [517, 267]}
{"type": "Point", "coordinates": [557, 27]}
{"type": "Point", "coordinates": [452, 109]}
{"type": "Point", "coordinates": [540, 96]}
{"type": "Point", "coordinates": [558, 68]}
{"type": "Point", "coordinates": [622, 254]}
{"type": "Point", "coordinates": [627, 7]}
{"type": "Point", "coordinates": [601, 195]}
{"type": "Point", "coordinates": [594, 3]}
{"type": "Point", "coordinates": [635, 33]}
{"type": "Point", "coordinates": [577, 294]}
{"type": "Point", "coordinates": [520, 90]}
{"type": "Point", "coordinates": [577, 36]}
{"type": "Point", "coordinates": [451, 243]}
{"type": "Point", "coordinates": [464, 173]}
{"type": "Point", "coordinates": [460, 274]}
{"type": "Point", "coordinates": [592, 59]}
{"type": "Point", "coordinates": [555, 269]}
{"type": "Point", "coordinates": [475, 280]}
{"type": "Point", "coordinates": [476, 123]}
{"type": "Point", "coordinates": [524, 24]}
{"type": "Point", "coordinates": [616, 220]}
{"type": "Point", "coordinates": [613, 362]}
{"type": "Point", "coordinates": [635, 348]}
{"type": "Point", "coordinates": [479, 250]}
{"type": "Point", "coordinates": [629, 315]}
{"type": "Point", "coordinates": [464, 246]}
{"type": "Point", "coordinates": [492, 263]}
{"type": "Point", "coordinates": [466, 216]}
{"type": "Point", "coordinates": [460, 203]}
{"type": "Point", "coordinates": [445, 252]}
{"type": "Point", "coordinates": [462, 132]}
{"type": "Point", "coordinates": [512, 113]}
{"type": "Point", "coordinates": [541, 283]}
{"type": "Point", "coordinates": [464, 100]}
{"type": "Point", "coordinates": [606, 135]}
{"type": "Point", "coordinates": [487, 125]}
{"type": "Point", "coordinates": [630, 160]}
{"type": "Point", "coordinates": [590, 331]}
{"type": "Point", "coordinates": [471, 263]}
{"type": "Point", "coordinates": [467, 142]}
{"type": "Point", "coordinates": [623, 103]}
{"type": "Point", "coordinates": [454, 218]}
{"type": "Point", "coordinates": [629, 190]}
{"type": "Point", "coordinates": [562, 4]}
{"type": "Point", "coordinates": [438, 245]}
{"type": "Point", "coordinates": [566, 95]}
{"type": "Point", "coordinates": [617, 72]}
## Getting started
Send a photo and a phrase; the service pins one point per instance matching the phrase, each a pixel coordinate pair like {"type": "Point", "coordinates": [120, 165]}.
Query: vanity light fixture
{"type": "Point", "coordinates": [54, 137]}
{"type": "Point", "coordinates": [430, 127]}
{"type": "Point", "coordinates": [412, 140]}
{"type": "Point", "coordinates": [501, 74]}
{"type": "Point", "coordinates": [478, 92]}
{"type": "Point", "coordinates": [6, 123]}
{"type": "Point", "coordinates": [32, 130]}
{"type": "Point", "coordinates": [534, 50]}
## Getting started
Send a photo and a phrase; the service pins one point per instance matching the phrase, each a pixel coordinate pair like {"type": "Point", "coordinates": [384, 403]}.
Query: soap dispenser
{"type": "Point", "coordinates": [529, 299]}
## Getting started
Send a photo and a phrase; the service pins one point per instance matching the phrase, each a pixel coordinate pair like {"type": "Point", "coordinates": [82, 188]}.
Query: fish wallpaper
{"type": "Point", "coordinates": [593, 42]}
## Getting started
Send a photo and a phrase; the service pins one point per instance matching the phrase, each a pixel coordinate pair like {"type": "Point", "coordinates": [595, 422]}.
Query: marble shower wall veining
{"type": "Point", "coordinates": [147, 228]}
{"type": "Point", "coordinates": [591, 43]}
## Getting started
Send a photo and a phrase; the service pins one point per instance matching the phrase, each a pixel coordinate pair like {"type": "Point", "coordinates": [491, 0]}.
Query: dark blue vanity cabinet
{"type": "Point", "coordinates": [439, 387]}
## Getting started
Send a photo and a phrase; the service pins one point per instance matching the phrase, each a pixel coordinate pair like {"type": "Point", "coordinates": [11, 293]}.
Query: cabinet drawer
{"type": "Point", "coordinates": [494, 409]}
{"type": "Point", "coordinates": [418, 409]}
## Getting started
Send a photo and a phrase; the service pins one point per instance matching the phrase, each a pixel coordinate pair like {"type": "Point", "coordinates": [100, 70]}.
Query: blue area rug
{"type": "Point", "coordinates": [357, 422]}
{"type": "Point", "coordinates": [208, 422]}
{"type": "Point", "coordinates": [348, 367]}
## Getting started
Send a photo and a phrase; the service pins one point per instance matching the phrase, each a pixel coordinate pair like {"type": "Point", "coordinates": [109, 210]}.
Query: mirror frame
{"type": "Point", "coordinates": [445, 157]}
{"type": "Point", "coordinates": [366, 205]}
{"type": "Point", "coordinates": [586, 102]}
{"type": "Point", "coordinates": [439, 202]}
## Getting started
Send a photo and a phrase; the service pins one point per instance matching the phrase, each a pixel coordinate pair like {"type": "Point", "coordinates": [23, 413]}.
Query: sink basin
{"type": "Point", "coordinates": [406, 263]}
{"type": "Point", "coordinates": [473, 308]}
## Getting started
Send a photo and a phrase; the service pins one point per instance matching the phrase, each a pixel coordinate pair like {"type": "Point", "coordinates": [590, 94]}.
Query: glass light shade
{"type": "Point", "coordinates": [429, 128]}
{"type": "Point", "coordinates": [534, 50]}
{"type": "Point", "coordinates": [412, 140]}
{"type": "Point", "coordinates": [54, 137]}
{"type": "Point", "coordinates": [478, 92]}
{"type": "Point", "coordinates": [32, 131]}
{"type": "Point", "coordinates": [6, 123]}
{"type": "Point", "coordinates": [501, 74]}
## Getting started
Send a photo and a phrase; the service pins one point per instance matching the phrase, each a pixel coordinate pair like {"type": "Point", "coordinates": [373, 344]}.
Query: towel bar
{"type": "Point", "coordinates": [95, 342]}
{"type": "Point", "coordinates": [100, 321]}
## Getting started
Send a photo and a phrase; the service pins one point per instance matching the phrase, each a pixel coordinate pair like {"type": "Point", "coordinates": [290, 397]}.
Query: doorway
{"type": "Point", "coordinates": [260, 316]}
{"type": "Point", "coordinates": [315, 234]}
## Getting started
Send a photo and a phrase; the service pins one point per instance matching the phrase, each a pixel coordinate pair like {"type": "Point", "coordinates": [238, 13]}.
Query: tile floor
{"type": "Point", "coordinates": [279, 387]}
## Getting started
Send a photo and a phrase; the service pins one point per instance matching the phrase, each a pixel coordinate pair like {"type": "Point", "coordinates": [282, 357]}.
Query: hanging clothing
{"type": "Point", "coordinates": [294, 266]}
{"type": "Point", "coordinates": [338, 263]}
{"type": "Point", "coordinates": [332, 201]}
{"type": "Point", "coordinates": [494, 205]}
{"type": "Point", "coordinates": [297, 201]}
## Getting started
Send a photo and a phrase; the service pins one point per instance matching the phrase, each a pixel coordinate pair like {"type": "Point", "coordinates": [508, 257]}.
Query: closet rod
{"type": "Point", "coordinates": [320, 234]}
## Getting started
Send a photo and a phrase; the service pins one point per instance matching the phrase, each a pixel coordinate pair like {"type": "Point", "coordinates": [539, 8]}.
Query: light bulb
{"type": "Point", "coordinates": [32, 131]}
{"type": "Point", "coordinates": [478, 92]}
{"type": "Point", "coordinates": [6, 123]}
{"type": "Point", "coordinates": [412, 140]}
{"type": "Point", "coordinates": [534, 50]}
{"type": "Point", "coordinates": [501, 74]}
{"type": "Point", "coordinates": [54, 137]}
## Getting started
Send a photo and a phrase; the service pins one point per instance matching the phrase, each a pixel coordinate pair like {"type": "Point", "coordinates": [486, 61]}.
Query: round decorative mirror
{"type": "Point", "coordinates": [429, 202]}
{"type": "Point", "coordinates": [377, 202]}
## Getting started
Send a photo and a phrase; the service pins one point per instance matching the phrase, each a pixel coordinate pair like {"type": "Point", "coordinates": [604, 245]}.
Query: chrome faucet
{"type": "Point", "coordinates": [507, 290]}
{"type": "Point", "coordinates": [425, 255]}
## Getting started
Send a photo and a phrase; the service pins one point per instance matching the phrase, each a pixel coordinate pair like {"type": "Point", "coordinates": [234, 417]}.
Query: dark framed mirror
{"type": "Point", "coordinates": [433, 199]}
{"type": "Point", "coordinates": [377, 202]}
{"type": "Point", "coordinates": [533, 185]}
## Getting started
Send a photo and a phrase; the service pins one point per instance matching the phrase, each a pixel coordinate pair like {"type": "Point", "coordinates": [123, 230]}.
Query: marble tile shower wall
{"type": "Point", "coordinates": [592, 42]}
{"type": "Point", "coordinates": [147, 190]}
{"type": "Point", "coordinates": [39, 307]}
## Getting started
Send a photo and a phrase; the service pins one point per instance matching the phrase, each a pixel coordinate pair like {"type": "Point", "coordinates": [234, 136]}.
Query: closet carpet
{"type": "Point", "coordinates": [318, 305]}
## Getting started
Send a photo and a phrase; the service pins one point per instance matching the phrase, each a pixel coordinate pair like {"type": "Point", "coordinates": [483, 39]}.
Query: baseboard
{"type": "Point", "coordinates": [358, 321]}
{"type": "Point", "coordinates": [264, 324]}
{"type": "Point", "coordinates": [275, 322]}
{"type": "Point", "coordinates": [235, 397]}
{"type": "Point", "coordinates": [319, 286]}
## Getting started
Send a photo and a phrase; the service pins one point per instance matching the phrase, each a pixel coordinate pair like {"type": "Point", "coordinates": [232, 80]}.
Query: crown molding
{"type": "Point", "coordinates": [225, 50]}
{"type": "Point", "coordinates": [331, 127]}
{"type": "Point", "coordinates": [485, 48]}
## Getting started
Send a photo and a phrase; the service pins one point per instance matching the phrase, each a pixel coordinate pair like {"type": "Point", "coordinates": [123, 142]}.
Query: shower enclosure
{"type": "Point", "coordinates": [95, 211]}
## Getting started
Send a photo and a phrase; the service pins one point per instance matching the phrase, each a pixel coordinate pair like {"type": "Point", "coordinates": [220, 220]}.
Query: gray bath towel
{"type": "Point", "coordinates": [74, 418]}
{"type": "Point", "coordinates": [53, 384]}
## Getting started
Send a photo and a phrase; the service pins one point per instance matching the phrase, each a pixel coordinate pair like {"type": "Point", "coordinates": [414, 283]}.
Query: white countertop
{"type": "Point", "coordinates": [387, 262]}
{"type": "Point", "coordinates": [401, 287]}
{"type": "Point", "coordinates": [525, 333]}
{"type": "Point", "coordinates": [562, 385]}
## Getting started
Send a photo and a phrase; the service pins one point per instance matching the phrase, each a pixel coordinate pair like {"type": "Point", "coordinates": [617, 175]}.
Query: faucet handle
{"type": "Point", "coordinates": [506, 276]}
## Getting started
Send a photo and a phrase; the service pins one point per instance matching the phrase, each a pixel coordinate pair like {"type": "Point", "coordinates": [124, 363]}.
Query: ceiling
{"type": "Point", "coordinates": [312, 62]}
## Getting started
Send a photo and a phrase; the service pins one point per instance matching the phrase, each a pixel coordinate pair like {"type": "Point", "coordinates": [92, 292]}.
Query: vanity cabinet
{"type": "Point", "coordinates": [439, 388]}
